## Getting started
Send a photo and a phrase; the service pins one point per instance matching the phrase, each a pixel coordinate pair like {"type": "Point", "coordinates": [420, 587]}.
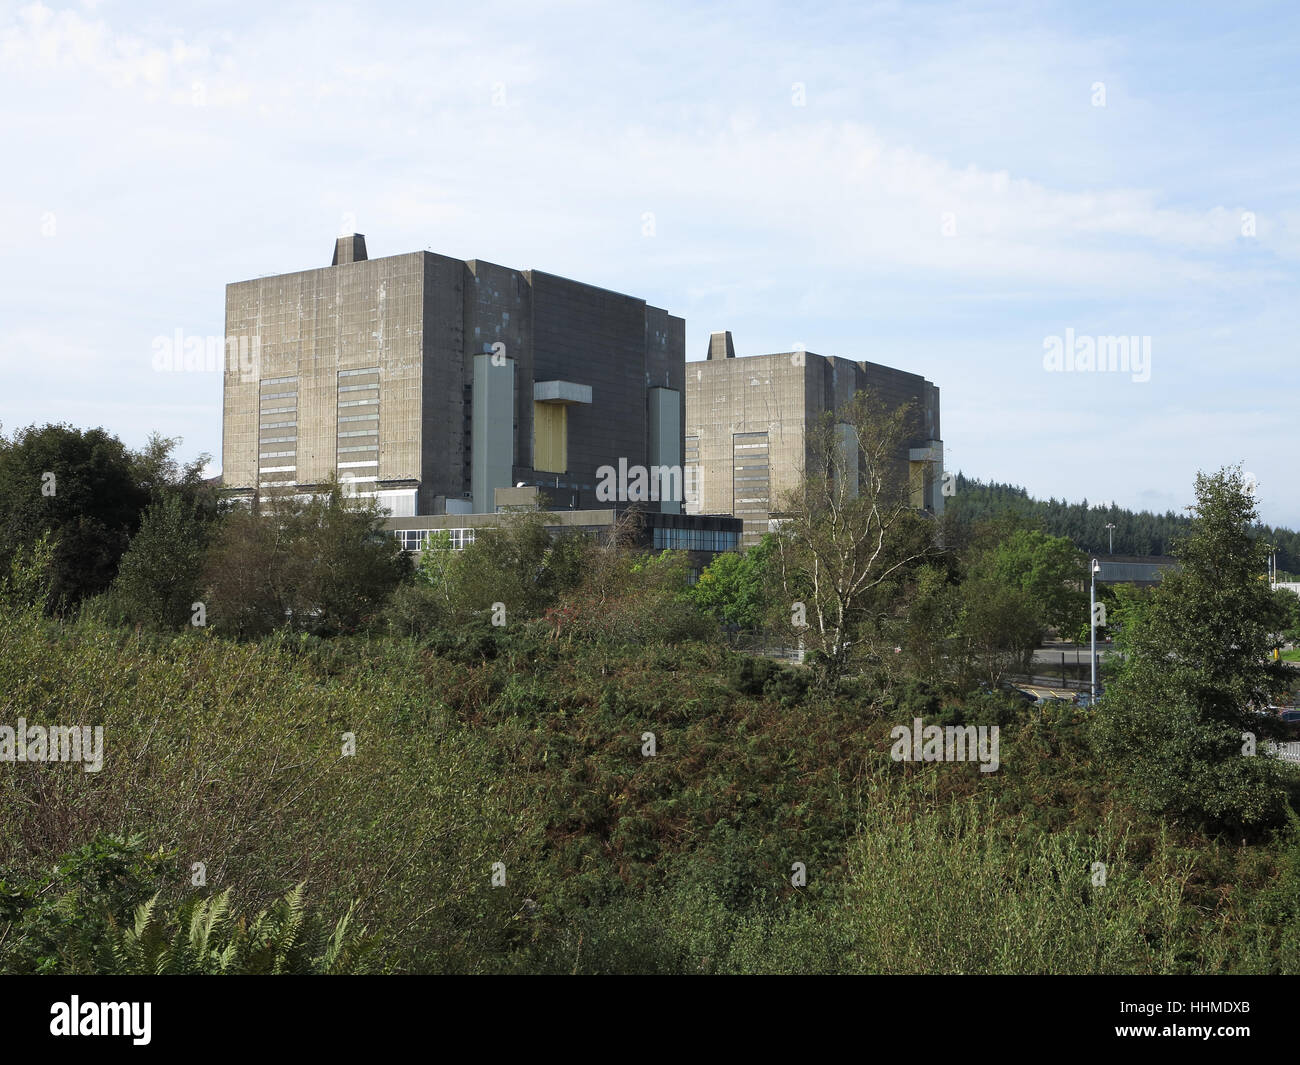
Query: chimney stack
{"type": "Point", "coordinates": [720, 346]}
{"type": "Point", "coordinates": [349, 249]}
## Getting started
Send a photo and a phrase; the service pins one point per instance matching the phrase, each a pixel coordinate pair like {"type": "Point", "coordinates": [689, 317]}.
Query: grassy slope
{"type": "Point", "coordinates": [230, 755]}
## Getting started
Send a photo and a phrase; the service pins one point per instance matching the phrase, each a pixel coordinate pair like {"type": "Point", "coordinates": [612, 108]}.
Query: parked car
{"type": "Point", "coordinates": [1009, 689]}
{"type": "Point", "coordinates": [1290, 716]}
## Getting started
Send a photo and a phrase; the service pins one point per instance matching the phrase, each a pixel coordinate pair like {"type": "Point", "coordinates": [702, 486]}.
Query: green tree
{"type": "Point", "coordinates": [999, 627]}
{"type": "Point", "coordinates": [1124, 604]}
{"type": "Point", "coordinates": [736, 587]}
{"type": "Point", "coordinates": [157, 471]}
{"type": "Point", "coordinates": [160, 576]}
{"type": "Point", "coordinates": [629, 595]}
{"type": "Point", "coordinates": [26, 587]}
{"type": "Point", "coordinates": [517, 563]}
{"type": "Point", "coordinates": [323, 565]}
{"type": "Point", "coordinates": [1288, 606]}
{"type": "Point", "coordinates": [88, 491]}
{"type": "Point", "coordinates": [425, 603]}
{"type": "Point", "coordinates": [1050, 570]}
{"type": "Point", "coordinates": [931, 639]}
{"type": "Point", "coordinates": [1195, 671]}
{"type": "Point", "coordinates": [434, 567]}
{"type": "Point", "coordinates": [80, 487]}
{"type": "Point", "coordinates": [850, 537]}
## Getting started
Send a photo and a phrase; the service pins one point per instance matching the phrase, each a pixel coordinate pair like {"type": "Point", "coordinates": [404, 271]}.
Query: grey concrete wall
{"type": "Point", "coordinates": [896, 387]}
{"type": "Point", "coordinates": [498, 310]}
{"type": "Point", "coordinates": [783, 394]}
{"type": "Point", "coordinates": [422, 319]}
{"type": "Point", "coordinates": [665, 354]}
{"type": "Point", "coordinates": [313, 324]}
{"type": "Point", "coordinates": [442, 418]}
{"type": "Point", "coordinates": [493, 443]}
{"type": "Point", "coordinates": [758, 393]}
{"type": "Point", "coordinates": [665, 445]}
{"type": "Point", "coordinates": [593, 337]}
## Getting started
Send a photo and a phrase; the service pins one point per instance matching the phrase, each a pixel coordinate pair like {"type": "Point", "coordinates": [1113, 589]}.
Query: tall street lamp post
{"type": "Point", "coordinates": [1092, 624]}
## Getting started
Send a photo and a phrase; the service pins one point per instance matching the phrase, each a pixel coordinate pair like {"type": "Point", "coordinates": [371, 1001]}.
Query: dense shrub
{"type": "Point", "coordinates": [397, 773]}
{"type": "Point", "coordinates": [762, 676]}
{"type": "Point", "coordinates": [99, 912]}
{"type": "Point", "coordinates": [322, 565]}
{"type": "Point", "coordinates": [912, 698]}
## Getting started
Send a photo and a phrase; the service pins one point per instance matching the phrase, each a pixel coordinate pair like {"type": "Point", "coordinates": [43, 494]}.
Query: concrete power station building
{"type": "Point", "coordinates": [746, 419]}
{"type": "Point", "coordinates": [433, 382]}
{"type": "Point", "coordinates": [452, 390]}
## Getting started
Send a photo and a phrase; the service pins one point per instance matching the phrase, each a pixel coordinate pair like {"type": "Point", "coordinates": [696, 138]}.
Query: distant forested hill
{"type": "Point", "coordinates": [1140, 533]}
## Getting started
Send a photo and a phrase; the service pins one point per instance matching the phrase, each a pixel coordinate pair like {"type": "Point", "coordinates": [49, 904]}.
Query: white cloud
{"type": "Point", "coordinates": [824, 223]}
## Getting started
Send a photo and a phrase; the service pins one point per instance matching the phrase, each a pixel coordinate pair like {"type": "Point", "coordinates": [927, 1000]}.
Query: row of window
{"type": "Point", "coordinates": [750, 485]}
{"type": "Point", "coordinates": [279, 396]}
{"type": "Point", "coordinates": [357, 445]}
{"type": "Point", "coordinates": [695, 540]}
{"type": "Point", "coordinates": [417, 539]}
{"type": "Point", "coordinates": [663, 539]}
{"type": "Point", "coordinates": [275, 399]}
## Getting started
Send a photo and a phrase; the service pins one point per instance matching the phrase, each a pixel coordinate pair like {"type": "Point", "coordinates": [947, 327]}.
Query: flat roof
{"type": "Point", "coordinates": [527, 272]}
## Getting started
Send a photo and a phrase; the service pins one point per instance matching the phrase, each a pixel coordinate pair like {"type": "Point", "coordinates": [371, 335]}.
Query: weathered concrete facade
{"type": "Point", "coordinates": [367, 370]}
{"type": "Point", "coordinates": [746, 420]}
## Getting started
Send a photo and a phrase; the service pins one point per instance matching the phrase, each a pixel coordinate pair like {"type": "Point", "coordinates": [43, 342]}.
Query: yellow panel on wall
{"type": "Point", "coordinates": [916, 479]}
{"type": "Point", "coordinates": [550, 437]}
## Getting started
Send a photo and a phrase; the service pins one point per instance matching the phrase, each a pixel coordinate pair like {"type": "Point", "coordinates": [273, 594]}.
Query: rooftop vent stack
{"type": "Point", "coordinates": [720, 346]}
{"type": "Point", "coordinates": [349, 249]}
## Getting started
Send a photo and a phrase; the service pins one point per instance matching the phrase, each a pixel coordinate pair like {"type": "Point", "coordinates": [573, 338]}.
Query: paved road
{"type": "Point", "coordinates": [1047, 691]}
{"type": "Point", "coordinates": [1051, 654]}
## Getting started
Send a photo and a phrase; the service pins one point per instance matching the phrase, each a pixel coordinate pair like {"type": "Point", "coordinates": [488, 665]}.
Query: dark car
{"type": "Point", "coordinates": [1007, 688]}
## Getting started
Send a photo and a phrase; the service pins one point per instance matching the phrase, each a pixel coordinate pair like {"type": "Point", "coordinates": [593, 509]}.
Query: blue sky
{"type": "Point", "coordinates": [936, 187]}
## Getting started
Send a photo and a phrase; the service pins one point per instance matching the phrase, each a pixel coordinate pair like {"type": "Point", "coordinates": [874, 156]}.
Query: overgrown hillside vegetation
{"type": "Point", "coordinates": [528, 752]}
{"type": "Point", "coordinates": [539, 755]}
